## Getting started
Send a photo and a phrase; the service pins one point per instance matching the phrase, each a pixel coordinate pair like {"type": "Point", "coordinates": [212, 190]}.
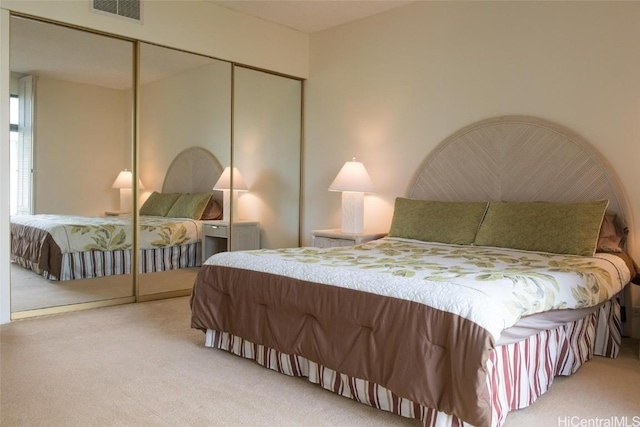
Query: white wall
{"type": "Point", "coordinates": [389, 88]}
{"type": "Point", "coordinates": [81, 132]}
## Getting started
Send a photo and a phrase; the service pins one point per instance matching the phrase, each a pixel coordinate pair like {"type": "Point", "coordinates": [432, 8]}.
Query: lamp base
{"type": "Point", "coordinates": [126, 201]}
{"type": "Point", "coordinates": [229, 197]}
{"type": "Point", "coordinates": [352, 212]}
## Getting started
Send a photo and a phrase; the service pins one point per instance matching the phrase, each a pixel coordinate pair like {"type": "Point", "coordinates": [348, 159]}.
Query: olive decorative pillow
{"type": "Point", "coordinates": [561, 228]}
{"type": "Point", "coordinates": [436, 221]}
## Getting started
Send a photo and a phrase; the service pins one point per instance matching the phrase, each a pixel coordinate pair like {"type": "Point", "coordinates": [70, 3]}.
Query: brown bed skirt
{"type": "Point", "coordinates": [35, 249]}
{"type": "Point", "coordinates": [391, 342]}
{"type": "Point", "coordinates": [518, 373]}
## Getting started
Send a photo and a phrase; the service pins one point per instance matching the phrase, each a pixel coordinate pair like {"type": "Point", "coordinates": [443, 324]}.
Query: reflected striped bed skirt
{"type": "Point", "coordinates": [90, 264]}
{"type": "Point", "coordinates": [517, 373]}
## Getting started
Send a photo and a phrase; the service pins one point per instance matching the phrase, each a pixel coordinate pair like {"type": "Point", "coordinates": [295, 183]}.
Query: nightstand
{"type": "Point", "coordinates": [215, 236]}
{"type": "Point", "coordinates": [335, 238]}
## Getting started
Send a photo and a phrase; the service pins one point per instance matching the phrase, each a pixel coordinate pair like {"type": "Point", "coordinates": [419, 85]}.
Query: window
{"type": "Point", "coordinates": [14, 113]}
{"type": "Point", "coordinates": [21, 118]}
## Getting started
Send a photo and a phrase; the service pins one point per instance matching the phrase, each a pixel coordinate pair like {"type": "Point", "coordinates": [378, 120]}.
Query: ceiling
{"type": "Point", "coordinates": [309, 16]}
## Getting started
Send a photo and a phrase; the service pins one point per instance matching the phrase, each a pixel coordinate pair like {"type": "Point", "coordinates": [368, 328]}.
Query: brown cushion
{"type": "Point", "coordinates": [212, 210]}
{"type": "Point", "coordinates": [612, 235]}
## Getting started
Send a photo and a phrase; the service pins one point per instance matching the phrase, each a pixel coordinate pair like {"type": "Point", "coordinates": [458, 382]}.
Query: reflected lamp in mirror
{"type": "Point", "coordinates": [353, 181]}
{"type": "Point", "coordinates": [123, 182]}
{"type": "Point", "coordinates": [228, 196]}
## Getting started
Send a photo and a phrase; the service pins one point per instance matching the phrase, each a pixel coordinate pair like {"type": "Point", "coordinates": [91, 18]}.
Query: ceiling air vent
{"type": "Point", "coordinates": [125, 8]}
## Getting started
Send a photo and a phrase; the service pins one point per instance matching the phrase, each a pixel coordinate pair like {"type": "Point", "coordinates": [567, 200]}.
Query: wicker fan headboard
{"type": "Point", "coordinates": [194, 170]}
{"type": "Point", "coordinates": [518, 158]}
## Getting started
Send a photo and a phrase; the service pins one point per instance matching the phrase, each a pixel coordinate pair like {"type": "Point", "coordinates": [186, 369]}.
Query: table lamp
{"type": "Point", "coordinates": [124, 183]}
{"type": "Point", "coordinates": [353, 181]}
{"type": "Point", "coordinates": [228, 194]}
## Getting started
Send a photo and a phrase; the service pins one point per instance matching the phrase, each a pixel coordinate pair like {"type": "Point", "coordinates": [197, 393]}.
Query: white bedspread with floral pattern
{"type": "Point", "coordinates": [79, 234]}
{"type": "Point", "coordinates": [492, 287]}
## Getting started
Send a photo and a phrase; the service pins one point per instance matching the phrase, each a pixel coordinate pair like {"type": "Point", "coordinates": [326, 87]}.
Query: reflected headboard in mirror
{"type": "Point", "coordinates": [194, 170]}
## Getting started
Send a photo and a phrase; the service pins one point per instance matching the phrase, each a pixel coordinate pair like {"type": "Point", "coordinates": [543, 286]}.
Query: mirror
{"type": "Point", "coordinates": [71, 237]}
{"type": "Point", "coordinates": [72, 151]}
{"type": "Point", "coordinates": [267, 147]}
{"type": "Point", "coordinates": [185, 142]}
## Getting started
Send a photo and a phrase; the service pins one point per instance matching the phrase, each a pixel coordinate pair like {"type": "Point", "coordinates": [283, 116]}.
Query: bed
{"type": "Point", "coordinates": [65, 247]}
{"type": "Point", "coordinates": [502, 269]}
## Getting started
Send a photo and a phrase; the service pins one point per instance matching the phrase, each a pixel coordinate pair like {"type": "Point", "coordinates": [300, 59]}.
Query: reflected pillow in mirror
{"type": "Point", "coordinates": [189, 206]}
{"type": "Point", "coordinates": [159, 204]}
{"type": "Point", "coordinates": [212, 210]}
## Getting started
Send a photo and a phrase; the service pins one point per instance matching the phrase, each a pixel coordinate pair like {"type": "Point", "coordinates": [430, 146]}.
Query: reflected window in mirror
{"type": "Point", "coordinates": [14, 112]}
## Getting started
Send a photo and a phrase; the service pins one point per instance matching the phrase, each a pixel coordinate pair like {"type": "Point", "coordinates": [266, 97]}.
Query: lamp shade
{"type": "Point", "coordinates": [123, 180]}
{"type": "Point", "coordinates": [352, 177]}
{"type": "Point", "coordinates": [224, 182]}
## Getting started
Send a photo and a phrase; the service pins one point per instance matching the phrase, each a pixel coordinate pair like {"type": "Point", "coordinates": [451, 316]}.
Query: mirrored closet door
{"type": "Point", "coordinates": [71, 151]}
{"type": "Point", "coordinates": [217, 160]}
{"type": "Point", "coordinates": [267, 147]}
{"type": "Point", "coordinates": [185, 144]}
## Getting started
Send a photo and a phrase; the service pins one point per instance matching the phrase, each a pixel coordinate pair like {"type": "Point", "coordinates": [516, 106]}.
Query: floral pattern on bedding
{"type": "Point", "coordinates": [491, 286]}
{"type": "Point", "coordinates": [104, 237]}
{"type": "Point", "coordinates": [79, 234]}
{"type": "Point", "coordinates": [531, 273]}
{"type": "Point", "coordinates": [168, 235]}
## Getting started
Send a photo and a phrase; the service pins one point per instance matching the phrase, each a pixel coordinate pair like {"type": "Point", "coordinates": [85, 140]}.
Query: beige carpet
{"type": "Point", "coordinates": [141, 365]}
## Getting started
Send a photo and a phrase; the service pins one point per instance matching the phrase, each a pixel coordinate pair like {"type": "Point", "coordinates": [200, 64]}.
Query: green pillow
{"type": "Point", "coordinates": [434, 221]}
{"type": "Point", "coordinates": [189, 206]}
{"type": "Point", "coordinates": [561, 228]}
{"type": "Point", "coordinates": [158, 204]}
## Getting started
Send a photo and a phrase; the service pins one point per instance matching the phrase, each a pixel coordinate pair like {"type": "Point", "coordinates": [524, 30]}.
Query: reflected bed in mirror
{"type": "Point", "coordinates": [64, 251]}
{"type": "Point", "coordinates": [191, 175]}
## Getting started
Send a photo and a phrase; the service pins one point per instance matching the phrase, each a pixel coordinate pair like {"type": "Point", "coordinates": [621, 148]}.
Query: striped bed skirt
{"type": "Point", "coordinates": [517, 373]}
{"type": "Point", "coordinates": [91, 264]}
